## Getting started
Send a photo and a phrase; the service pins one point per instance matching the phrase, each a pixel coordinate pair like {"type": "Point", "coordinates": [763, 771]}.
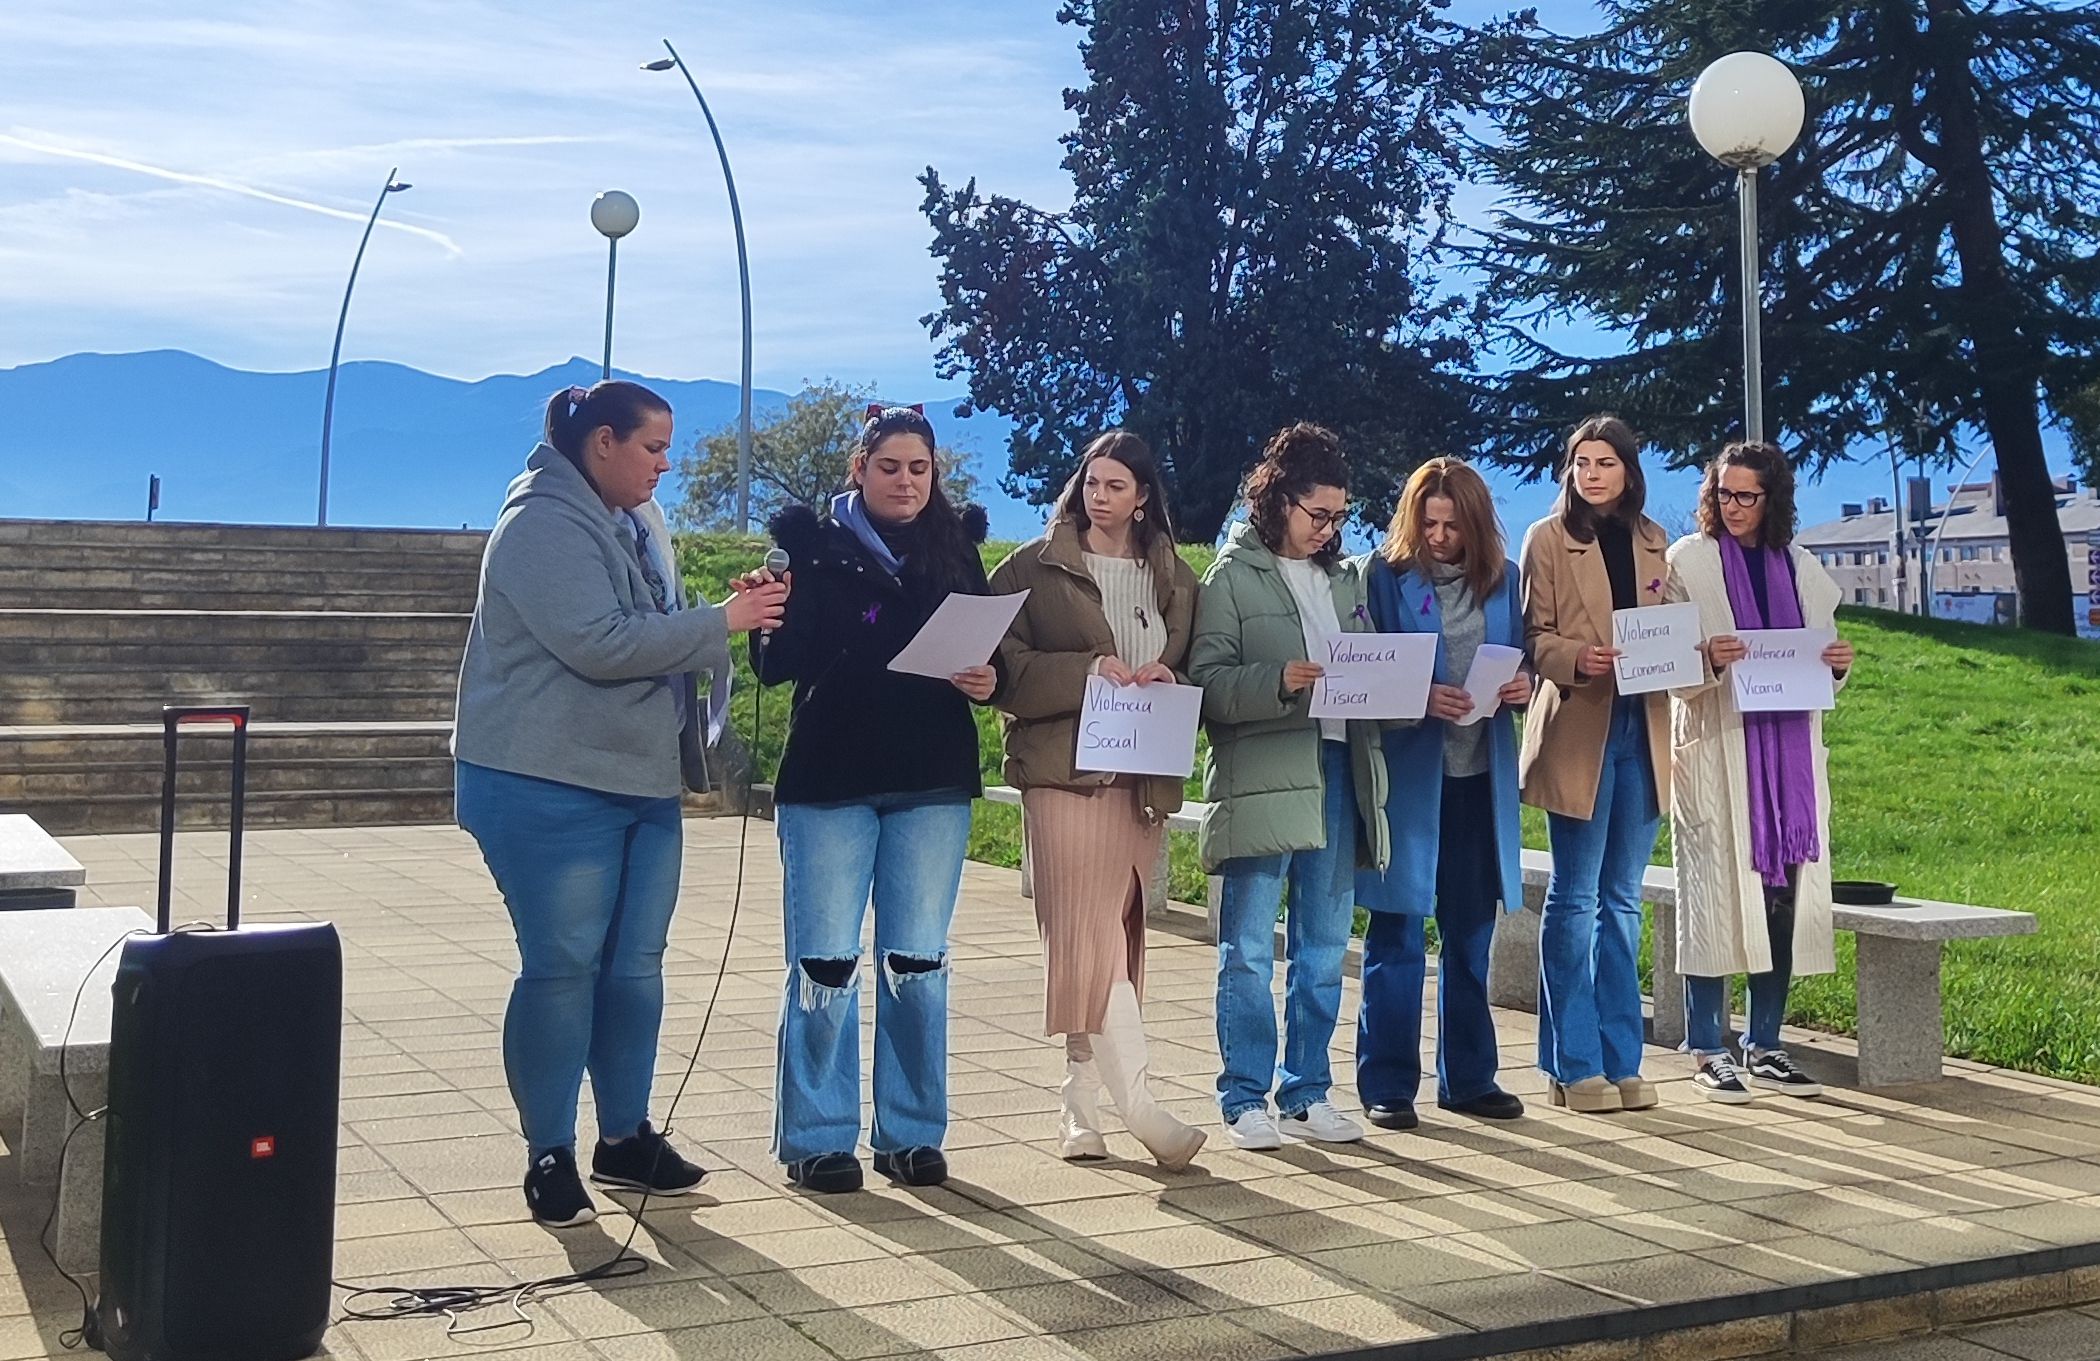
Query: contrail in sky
{"type": "Point", "coordinates": [228, 186]}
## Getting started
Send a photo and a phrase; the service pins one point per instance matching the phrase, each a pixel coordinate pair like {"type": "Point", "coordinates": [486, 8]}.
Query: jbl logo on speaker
{"type": "Point", "coordinates": [262, 1146]}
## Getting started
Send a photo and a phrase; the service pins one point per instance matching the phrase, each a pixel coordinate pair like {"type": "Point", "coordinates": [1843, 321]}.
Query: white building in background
{"type": "Point", "coordinates": [1970, 572]}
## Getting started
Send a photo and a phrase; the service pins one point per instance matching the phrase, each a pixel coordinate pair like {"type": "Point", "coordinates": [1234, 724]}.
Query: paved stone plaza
{"type": "Point", "coordinates": [1455, 1232]}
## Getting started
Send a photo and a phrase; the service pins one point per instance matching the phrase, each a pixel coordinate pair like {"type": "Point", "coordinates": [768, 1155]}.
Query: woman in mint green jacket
{"type": "Point", "coordinates": [1293, 799]}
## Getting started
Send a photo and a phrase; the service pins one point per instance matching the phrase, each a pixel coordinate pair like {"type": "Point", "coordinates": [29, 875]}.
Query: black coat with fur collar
{"type": "Point", "coordinates": [858, 729]}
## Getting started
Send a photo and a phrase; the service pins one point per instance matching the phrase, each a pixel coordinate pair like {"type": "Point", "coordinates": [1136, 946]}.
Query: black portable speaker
{"type": "Point", "coordinates": [225, 1057]}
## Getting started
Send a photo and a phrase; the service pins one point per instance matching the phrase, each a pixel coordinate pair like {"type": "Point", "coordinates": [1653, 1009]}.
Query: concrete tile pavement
{"type": "Point", "coordinates": [1458, 1227]}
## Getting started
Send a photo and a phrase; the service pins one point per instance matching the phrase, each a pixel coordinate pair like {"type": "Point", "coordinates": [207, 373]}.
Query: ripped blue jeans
{"type": "Point", "coordinates": [905, 852]}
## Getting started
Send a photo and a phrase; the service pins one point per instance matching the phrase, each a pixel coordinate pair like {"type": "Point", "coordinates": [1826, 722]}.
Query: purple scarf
{"type": "Point", "coordinates": [1782, 763]}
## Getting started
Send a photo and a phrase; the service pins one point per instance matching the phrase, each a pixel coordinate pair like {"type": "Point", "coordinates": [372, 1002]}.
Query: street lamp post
{"type": "Point", "coordinates": [614, 214]}
{"type": "Point", "coordinates": [743, 272]}
{"type": "Point", "coordinates": [335, 356]}
{"type": "Point", "coordinates": [1746, 110]}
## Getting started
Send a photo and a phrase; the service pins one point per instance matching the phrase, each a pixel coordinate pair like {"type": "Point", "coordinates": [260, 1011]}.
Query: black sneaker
{"type": "Point", "coordinates": [913, 1166]}
{"type": "Point", "coordinates": [1772, 1069]}
{"type": "Point", "coordinates": [554, 1193]}
{"type": "Point", "coordinates": [646, 1162]}
{"type": "Point", "coordinates": [826, 1173]}
{"type": "Point", "coordinates": [1719, 1080]}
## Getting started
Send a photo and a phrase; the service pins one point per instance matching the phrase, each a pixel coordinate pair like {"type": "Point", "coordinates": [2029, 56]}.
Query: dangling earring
{"type": "Point", "coordinates": [1138, 515]}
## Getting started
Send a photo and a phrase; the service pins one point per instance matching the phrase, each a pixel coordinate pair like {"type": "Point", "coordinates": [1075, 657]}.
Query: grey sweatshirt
{"type": "Point", "coordinates": [569, 666]}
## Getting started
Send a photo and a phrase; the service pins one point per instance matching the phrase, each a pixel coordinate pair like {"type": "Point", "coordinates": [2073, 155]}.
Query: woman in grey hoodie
{"type": "Point", "coordinates": [579, 720]}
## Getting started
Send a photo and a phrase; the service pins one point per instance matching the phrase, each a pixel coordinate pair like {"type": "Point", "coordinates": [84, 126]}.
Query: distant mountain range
{"type": "Point", "coordinates": [79, 437]}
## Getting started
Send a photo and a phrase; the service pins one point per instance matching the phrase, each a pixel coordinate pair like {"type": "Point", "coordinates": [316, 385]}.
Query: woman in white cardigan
{"type": "Point", "coordinates": [1750, 793]}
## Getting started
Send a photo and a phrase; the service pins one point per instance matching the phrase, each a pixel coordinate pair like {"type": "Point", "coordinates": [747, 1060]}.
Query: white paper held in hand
{"type": "Point", "coordinates": [1783, 671]}
{"type": "Point", "coordinates": [1138, 729]}
{"type": "Point", "coordinates": [1494, 666]}
{"type": "Point", "coordinates": [1374, 675]}
{"type": "Point", "coordinates": [962, 632]}
{"type": "Point", "coordinates": [1658, 647]}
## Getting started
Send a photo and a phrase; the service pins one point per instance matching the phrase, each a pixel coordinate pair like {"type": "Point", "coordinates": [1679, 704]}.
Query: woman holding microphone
{"type": "Point", "coordinates": [1596, 761]}
{"type": "Point", "coordinates": [872, 800]}
{"type": "Point", "coordinates": [1108, 597]}
{"type": "Point", "coordinates": [578, 726]}
{"type": "Point", "coordinates": [1451, 807]}
{"type": "Point", "coordinates": [1750, 809]}
{"type": "Point", "coordinates": [1293, 799]}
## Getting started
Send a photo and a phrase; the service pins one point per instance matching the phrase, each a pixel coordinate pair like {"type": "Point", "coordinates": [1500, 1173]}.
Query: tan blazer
{"type": "Point", "coordinates": [1567, 604]}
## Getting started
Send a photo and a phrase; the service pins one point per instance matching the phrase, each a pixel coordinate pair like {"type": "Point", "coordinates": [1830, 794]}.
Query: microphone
{"type": "Point", "coordinates": [777, 564]}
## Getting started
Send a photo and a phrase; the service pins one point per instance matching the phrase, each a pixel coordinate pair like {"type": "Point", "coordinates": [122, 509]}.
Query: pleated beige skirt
{"type": "Point", "coordinates": [1090, 854]}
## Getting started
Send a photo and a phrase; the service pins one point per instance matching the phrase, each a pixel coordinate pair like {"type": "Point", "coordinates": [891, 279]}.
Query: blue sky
{"type": "Point", "coordinates": [199, 183]}
{"type": "Point", "coordinates": [173, 181]}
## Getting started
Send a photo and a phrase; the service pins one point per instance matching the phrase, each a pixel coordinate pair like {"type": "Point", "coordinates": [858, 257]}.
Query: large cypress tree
{"type": "Point", "coordinates": [1259, 188]}
{"type": "Point", "coordinates": [1928, 245]}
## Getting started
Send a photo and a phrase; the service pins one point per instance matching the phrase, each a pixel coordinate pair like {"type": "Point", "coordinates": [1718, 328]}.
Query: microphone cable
{"type": "Point", "coordinates": [455, 1303]}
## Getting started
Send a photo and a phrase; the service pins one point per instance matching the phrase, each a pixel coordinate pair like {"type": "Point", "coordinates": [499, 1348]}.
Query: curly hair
{"type": "Point", "coordinates": [1775, 475]}
{"type": "Point", "coordinates": [1296, 459]}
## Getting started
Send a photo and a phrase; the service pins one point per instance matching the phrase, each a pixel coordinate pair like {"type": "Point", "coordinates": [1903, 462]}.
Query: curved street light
{"type": "Point", "coordinates": [335, 356]}
{"type": "Point", "coordinates": [743, 271]}
{"type": "Point", "coordinates": [614, 213]}
{"type": "Point", "coordinates": [1746, 110]}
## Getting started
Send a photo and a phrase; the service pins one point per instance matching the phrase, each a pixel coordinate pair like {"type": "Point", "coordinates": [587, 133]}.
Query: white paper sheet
{"type": "Point", "coordinates": [1138, 729]}
{"type": "Point", "coordinates": [962, 632]}
{"type": "Point", "coordinates": [1494, 666]}
{"type": "Point", "coordinates": [1658, 647]}
{"type": "Point", "coordinates": [1375, 675]}
{"type": "Point", "coordinates": [1784, 672]}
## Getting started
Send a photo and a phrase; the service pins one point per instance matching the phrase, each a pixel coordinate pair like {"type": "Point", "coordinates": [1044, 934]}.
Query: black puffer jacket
{"type": "Point", "coordinates": [859, 729]}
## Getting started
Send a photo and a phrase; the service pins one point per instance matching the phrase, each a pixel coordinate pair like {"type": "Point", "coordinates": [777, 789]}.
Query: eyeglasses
{"type": "Point", "coordinates": [1745, 499]}
{"type": "Point", "coordinates": [1323, 519]}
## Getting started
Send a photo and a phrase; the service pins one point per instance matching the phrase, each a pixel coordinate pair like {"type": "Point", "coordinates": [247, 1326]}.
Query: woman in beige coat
{"type": "Point", "coordinates": [1750, 805]}
{"type": "Point", "coordinates": [1107, 596]}
{"type": "Point", "coordinates": [1594, 760]}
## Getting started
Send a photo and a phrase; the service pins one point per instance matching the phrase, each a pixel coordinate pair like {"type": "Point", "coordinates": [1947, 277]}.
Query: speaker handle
{"type": "Point", "coordinates": [173, 717]}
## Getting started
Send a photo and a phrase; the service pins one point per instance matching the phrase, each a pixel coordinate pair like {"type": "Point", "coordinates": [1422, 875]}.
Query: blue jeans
{"type": "Point", "coordinates": [590, 879]}
{"type": "Point", "coordinates": [1316, 937]}
{"type": "Point", "coordinates": [907, 853]}
{"type": "Point", "coordinates": [1706, 999]}
{"type": "Point", "coordinates": [1389, 1023]}
{"type": "Point", "coordinates": [1590, 938]}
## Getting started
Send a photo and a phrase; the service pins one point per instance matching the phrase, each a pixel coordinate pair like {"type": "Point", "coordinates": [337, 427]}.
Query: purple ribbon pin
{"type": "Point", "coordinates": [1425, 604]}
{"type": "Point", "coordinates": [868, 615]}
{"type": "Point", "coordinates": [1361, 616]}
{"type": "Point", "coordinates": [1655, 585]}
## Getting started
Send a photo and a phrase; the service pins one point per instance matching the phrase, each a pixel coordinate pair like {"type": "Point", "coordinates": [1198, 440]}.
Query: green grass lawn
{"type": "Point", "coordinates": [1965, 765]}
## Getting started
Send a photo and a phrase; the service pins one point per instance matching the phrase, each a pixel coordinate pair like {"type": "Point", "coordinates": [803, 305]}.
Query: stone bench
{"type": "Point", "coordinates": [44, 955]}
{"type": "Point", "coordinates": [1902, 1032]}
{"type": "Point", "coordinates": [35, 871]}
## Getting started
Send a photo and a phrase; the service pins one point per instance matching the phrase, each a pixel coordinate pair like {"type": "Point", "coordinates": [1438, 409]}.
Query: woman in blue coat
{"type": "Point", "coordinates": [1452, 805]}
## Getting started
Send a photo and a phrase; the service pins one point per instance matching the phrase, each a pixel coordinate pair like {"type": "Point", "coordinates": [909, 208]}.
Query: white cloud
{"type": "Point", "coordinates": [215, 174]}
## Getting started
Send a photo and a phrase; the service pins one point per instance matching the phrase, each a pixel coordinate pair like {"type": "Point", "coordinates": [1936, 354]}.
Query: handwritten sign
{"type": "Point", "coordinates": [1494, 666]}
{"type": "Point", "coordinates": [1138, 729]}
{"type": "Point", "coordinates": [1658, 647]}
{"type": "Point", "coordinates": [962, 632]}
{"type": "Point", "coordinates": [1783, 671]}
{"type": "Point", "coordinates": [1374, 675]}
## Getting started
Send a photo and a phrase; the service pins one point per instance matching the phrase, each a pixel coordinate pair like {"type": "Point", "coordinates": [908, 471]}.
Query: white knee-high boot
{"type": "Point", "coordinates": [1119, 1050]}
{"type": "Point", "coordinates": [1079, 1125]}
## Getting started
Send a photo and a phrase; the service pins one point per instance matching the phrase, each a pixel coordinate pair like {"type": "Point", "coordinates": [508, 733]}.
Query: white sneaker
{"type": "Point", "coordinates": [1254, 1130]}
{"type": "Point", "coordinates": [1322, 1122]}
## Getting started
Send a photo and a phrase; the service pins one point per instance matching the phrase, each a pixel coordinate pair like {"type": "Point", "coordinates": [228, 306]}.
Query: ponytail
{"type": "Point", "coordinates": [574, 412]}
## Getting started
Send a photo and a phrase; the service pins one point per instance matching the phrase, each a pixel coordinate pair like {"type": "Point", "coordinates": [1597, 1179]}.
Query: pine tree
{"type": "Point", "coordinates": [1259, 191]}
{"type": "Point", "coordinates": [1928, 245]}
